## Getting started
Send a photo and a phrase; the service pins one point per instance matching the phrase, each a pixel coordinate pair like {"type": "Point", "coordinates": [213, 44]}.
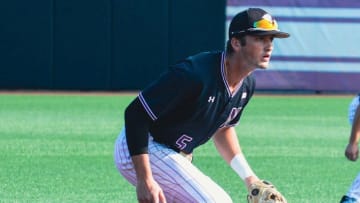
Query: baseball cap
{"type": "Point", "coordinates": [255, 21]}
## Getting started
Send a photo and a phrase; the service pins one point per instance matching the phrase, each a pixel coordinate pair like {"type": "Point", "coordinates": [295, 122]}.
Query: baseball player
{"type": "Point", "coordinates": [352, 150]}
{"type": "Point", "coordinates": [195, 100]}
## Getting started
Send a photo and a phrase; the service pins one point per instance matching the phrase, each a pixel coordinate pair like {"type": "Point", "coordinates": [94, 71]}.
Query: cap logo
{"type": "Point", "coordinates": [266, 23]}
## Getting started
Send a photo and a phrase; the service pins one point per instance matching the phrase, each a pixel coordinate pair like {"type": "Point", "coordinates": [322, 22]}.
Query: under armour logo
{"type": "Point", "coordinates": [211, 99]}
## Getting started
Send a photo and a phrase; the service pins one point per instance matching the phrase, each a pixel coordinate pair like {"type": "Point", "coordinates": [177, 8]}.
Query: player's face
{"type": "Point", "coordinates": [257, 51]}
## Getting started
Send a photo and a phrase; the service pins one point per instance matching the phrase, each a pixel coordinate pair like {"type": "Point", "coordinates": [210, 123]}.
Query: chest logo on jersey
{"type": "Point", "coordinates": [211, 99]}
{"type": "Point", "coordinates": [234, 112]}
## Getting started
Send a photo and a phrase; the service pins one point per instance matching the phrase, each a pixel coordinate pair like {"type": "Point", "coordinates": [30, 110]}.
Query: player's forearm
{"type": "Point", "coordinates": [142, 167]}
{"type": "Point", "coordinates": [355, 136]}
{"type": "Point", "coordinates": [226, 143]}
{"type": "Point", "coordinates": [228, 146]}
{"type": "Point", "coordinates": [355, 130]}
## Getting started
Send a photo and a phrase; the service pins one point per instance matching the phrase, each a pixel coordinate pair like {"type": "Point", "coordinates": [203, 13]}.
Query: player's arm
{"type": "Point", "coordinates": [137, 124]}
{"type": "Point", "coordinates": [147, 188]}
{"type": "Point", "coordinates": [352, 149]}
{"type": "Point", "coordinates": [227, 144]}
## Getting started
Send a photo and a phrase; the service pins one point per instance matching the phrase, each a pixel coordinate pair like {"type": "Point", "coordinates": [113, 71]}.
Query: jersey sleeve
{"type": "Point", "coordinates": [175, 87]}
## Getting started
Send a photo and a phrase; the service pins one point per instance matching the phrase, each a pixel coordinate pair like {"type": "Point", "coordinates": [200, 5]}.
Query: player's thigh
{"type": "Point", "coordinates": [181, 181]}
{"type": "Point", "coordinates": [123, 160]}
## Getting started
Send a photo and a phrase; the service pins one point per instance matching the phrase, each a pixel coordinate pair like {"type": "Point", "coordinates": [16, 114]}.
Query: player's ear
{"type": "Point", "coordinates": [235, 43]}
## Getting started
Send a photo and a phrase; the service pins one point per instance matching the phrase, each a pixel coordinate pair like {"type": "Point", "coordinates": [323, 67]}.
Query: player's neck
{"type": "Point", "coordinates": [234, 73]}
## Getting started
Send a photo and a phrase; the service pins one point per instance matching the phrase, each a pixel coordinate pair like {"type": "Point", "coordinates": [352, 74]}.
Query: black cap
{"type": "Point", "coordinates": [255, 21]}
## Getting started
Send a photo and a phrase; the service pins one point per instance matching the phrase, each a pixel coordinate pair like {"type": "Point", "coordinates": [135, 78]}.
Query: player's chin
{"type": "Point", "coordinates": [264, 65]}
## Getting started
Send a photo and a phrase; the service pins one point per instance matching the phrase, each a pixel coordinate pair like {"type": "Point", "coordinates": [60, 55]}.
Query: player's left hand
{"type": "Point", "coordinates": [263, 191]}
{"type": "Point", "coordinates": [352, 152]}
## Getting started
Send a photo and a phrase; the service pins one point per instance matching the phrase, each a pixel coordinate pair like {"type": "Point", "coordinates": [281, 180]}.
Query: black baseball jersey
{"type": "Point", "coordinates": [192, 100]}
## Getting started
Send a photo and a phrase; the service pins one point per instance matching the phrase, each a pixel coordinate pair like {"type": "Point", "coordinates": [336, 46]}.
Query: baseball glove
{"type": "Point", "coordinates": [263, 191]}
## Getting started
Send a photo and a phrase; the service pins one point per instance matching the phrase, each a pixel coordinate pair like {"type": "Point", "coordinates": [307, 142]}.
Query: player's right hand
{"type": "Point", "coordinates": [149, 191]}
{"type": "Point", "coordinates": [352, 152]}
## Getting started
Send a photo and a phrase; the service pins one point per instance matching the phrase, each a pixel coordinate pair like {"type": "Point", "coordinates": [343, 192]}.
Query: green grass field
{"type": "Point", "coordinates": [58, 148]}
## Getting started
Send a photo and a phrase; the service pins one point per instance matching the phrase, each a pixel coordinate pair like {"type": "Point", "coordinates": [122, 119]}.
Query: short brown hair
{"type": "Point", "coordinates": [229, 48]}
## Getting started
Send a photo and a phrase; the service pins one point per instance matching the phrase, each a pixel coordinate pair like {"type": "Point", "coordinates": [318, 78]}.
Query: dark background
{"type": "Point", "coordinates": [102, 44]}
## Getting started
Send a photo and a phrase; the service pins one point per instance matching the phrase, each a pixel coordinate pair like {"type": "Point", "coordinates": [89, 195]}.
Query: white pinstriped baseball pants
{"type": "Point", "coordinates": [180, 180]}
{"type": "Point", "coordinates": [354, 189]}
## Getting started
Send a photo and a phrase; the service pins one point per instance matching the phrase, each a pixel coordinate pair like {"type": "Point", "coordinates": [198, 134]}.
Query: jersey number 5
{"type": "Point", "coordinates": [183, 141]}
